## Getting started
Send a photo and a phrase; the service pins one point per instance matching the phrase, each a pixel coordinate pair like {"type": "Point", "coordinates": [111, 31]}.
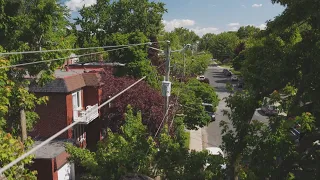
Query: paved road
{"type": "Point", "coordinates": [211, 135]}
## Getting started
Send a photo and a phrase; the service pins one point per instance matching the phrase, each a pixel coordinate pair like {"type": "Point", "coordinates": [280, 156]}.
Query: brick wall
{"type": "Point", "coordinates": [60, 160]}
{"type": "Point", "coordinates": [69, 117]}
{"type": "Point", "coordinates": [45, 169]}
{"type": "Point", "coordinates": [53, 116]}
{"type": "Point", "coordinates": [90, 96]}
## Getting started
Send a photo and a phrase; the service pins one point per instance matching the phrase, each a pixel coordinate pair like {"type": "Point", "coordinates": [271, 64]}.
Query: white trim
{"type": "Point", "coordinates": [78, 95]}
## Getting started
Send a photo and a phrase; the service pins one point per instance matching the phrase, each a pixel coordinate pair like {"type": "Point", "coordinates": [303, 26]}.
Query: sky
{"type": "Point", "coordinates": [208, 16]}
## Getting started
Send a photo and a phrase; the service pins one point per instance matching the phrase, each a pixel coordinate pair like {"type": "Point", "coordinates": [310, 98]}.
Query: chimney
{"type": "Point", "coordinates": [67, 66]}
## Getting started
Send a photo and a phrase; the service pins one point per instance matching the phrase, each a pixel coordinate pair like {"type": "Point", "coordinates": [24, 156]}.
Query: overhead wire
{"type": "Point", "coordinates": [34, 149]}
{"type": "Point", "coordinates": [57, 59]}
{"type": "Point", "coordinates": [76, 49]}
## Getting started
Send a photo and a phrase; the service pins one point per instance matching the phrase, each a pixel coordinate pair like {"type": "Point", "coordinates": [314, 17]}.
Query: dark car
{"type": "Point", "coordinates": [227, 72]}
{"type": "Point", "coordinates": [209, 109]}
{"type": "Point", "coordinates": [240, 84]}
{"type": "Point", "coordinates": [212, 116]}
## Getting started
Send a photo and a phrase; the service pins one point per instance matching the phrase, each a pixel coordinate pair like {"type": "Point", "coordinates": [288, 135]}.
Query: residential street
{"type": "Point", "coordinates": [211, 135]}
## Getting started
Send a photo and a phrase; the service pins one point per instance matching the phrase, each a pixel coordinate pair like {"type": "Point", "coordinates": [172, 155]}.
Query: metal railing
{"type": "Point", "coordinates": [88, 115]}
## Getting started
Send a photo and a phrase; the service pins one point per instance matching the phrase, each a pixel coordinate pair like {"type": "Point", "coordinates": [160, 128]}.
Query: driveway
{"type": "Point", "coordinates": [211, 135]}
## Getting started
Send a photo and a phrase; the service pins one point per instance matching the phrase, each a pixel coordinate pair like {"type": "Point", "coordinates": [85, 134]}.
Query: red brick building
{"type": "Point", "coordinates": [72, 95]}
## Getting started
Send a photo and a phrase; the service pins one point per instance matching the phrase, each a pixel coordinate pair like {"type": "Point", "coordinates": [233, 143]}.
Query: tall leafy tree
{"type": "Point", "coordinates": [130, 151]}
{"type": "Point", "coordinates": [191, 97]}
{"type": "Point", "coordinates": [31, 25]}
{"type": "Point", "coordinates": [222, 45]}
{"type": "Point", "coordinates": [12, 148]}
{"type": "Point", "coordinates": [244, 32]}
{"type": "Point", "coordinates": [287, 49]}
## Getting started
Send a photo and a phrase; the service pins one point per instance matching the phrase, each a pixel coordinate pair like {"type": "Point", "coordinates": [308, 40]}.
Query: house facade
{"type": "Point", "coordinates": [74, 95]}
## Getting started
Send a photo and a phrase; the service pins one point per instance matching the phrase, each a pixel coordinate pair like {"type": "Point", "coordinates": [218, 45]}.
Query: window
{"type": "Point", "coordinates": [76, 100]}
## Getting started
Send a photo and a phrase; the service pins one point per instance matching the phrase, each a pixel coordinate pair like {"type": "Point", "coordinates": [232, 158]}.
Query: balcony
{"type": "Point", "coordinates": [88, 115]}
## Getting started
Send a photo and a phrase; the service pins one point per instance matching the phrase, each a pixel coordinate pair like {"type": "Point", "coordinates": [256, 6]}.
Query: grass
{"type": "Point", "coordinates": [187, 143]}
{"type": "Point", "coordinates": [238, 73]}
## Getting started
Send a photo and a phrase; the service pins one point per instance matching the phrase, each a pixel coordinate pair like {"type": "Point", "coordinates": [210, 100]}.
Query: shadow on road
{"type": "Point", "coordinates": [224, 81]}
{"type": "Point", "coordinates": [221, 89]}
{"type": "Point", "coordinates": [213, 65]}
{"type": "Point", "coordinates": [261, 113]}
{"type": "Point", "coordinates": [218, 76]}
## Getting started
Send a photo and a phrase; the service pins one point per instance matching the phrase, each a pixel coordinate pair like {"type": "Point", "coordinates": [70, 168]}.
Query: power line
{"type": "Point", "coordinates": [164, 117]}
{"type": "Point", "coordinates": [57, 59]}
{"type": "Point", "coordinates": [74, 49]}
{"type": "Point", "coordinates": [156, 49]}
{"type": "Point", "coordinates": [62, 131]}
{"type": "Point", "coordinates": [175, 111]}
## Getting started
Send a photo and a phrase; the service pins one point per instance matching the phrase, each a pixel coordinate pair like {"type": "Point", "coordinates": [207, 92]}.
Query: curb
{"type": "Point", "coordinates": [196, 142]}
{"type": "Point", "coordinates": [204, 138]}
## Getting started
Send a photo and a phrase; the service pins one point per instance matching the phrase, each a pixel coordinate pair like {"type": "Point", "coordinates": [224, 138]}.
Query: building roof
{"type": "Point", "coordinates": [51, 150]}
{"type": "Point", "coordinates": [68, 81]}
{"type": "Point", "coordinates": [92, 79]}
{"type": "Point", "coordinates": [61, 85]}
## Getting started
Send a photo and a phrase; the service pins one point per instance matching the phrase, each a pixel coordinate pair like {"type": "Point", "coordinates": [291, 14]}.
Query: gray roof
{"type": "Point", "coordinates": [61, 85]}
{"type": "Point", "coordinates": [51, 150]}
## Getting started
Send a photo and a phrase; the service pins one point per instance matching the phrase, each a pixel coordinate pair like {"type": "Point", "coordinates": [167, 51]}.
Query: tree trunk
{"type": "Point", "coordinates": [23, 122]}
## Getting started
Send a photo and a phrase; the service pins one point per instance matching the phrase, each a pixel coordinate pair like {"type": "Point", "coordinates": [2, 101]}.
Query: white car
{"type": "Point", "coordinates": [216, 152]}
{"type": "Point", "coordinates": [234, 78]}
{"type": "Point", "coordinates": [202, 78]}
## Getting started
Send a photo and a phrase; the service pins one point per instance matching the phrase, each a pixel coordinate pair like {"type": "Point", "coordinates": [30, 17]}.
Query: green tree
{"type": "Point", "coordinates": [107, 17]}
{"type": "Point", "coordinates": [244, 32]}
{"type": "Point", "coordinates": [192, 95]}
{"type": "Point", "coordinates": [135, 58]}
{"type": "Point", "coordinates": [287, 49]}
{"type": "Point", "coordinates": [186, 36]}
{"type": "Point", "coordinates": [10, 149]}
{"type": "Point", "coordinates": [129, 152]}
{"type": "Point", "coordinates": [222, 45]}
{"type": "Point", "coordinates": [28, 26]}
{"type": "Point", "coordinates": [175, 161]}
{"type": "Point", "coordinates": [206, 41]}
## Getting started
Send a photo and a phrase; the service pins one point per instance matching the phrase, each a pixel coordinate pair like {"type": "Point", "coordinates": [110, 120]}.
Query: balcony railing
{"type": "Point", "coordinates": [88, 115]}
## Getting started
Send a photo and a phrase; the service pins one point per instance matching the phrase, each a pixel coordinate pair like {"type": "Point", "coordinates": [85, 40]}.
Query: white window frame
{"type": "Point", "coordinates": [79, 99]}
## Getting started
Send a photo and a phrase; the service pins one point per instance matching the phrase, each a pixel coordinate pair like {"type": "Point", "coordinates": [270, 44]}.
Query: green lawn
{"type": "Point", "coordinates": [187, 139]}
{"type": "Point", "coordinates": [235, 72]}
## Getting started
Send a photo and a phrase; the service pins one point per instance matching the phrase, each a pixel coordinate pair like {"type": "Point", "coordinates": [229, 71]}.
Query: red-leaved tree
{"type": "Point", "coordinates": [141, 97]}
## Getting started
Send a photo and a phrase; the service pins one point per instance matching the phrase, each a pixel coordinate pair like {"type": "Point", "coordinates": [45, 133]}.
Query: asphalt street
{"type": "Point", "coordinates": [211, 135]}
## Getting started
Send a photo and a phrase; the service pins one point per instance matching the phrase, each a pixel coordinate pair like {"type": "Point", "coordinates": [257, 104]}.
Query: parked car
{"type": "Point", "coordinates": [234, 78]}
{"type": "Point", "coordinates": [240, 84]}
{"type": "Point", "coordinates": [271, 109]}
{"type": "Point", "coordinates": [227, 72]}
{"type": "Point", "coordinates": [209, 109]}
{"type": "Point", "coordinates": [216, 151]}
{"type": "Point", "coordinates": [212, 116]}
{"type": "Point", "coordinates": [201, 77]}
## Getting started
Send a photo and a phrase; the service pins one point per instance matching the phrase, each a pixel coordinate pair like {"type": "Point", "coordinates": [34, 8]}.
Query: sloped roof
{"type": "Point", "coordinates": [61, 85]}
{"type": "Point", "coordinates": [92, 79]}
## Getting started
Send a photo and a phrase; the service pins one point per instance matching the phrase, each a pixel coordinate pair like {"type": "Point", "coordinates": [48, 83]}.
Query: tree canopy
{"type": "Point", "coordinates": [132, 150]}
{"type": "Point", "coordinates": [221, 46]}
{"type": "Point", "coordinates": [279, 63]}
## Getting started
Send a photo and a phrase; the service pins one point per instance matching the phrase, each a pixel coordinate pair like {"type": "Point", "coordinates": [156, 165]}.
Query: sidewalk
{"type": "Point", "coordinates": [196, 140]}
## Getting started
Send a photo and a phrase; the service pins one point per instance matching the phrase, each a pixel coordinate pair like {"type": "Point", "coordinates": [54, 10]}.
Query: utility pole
{"type": "Point", "coordinates": [166, 84]}
{"type": "Point", "coordinates": [184, 58]}
{"type": "Point", "coordinates": [184, 63]}
{"type": "Point", "coordinates": [23, 122]}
